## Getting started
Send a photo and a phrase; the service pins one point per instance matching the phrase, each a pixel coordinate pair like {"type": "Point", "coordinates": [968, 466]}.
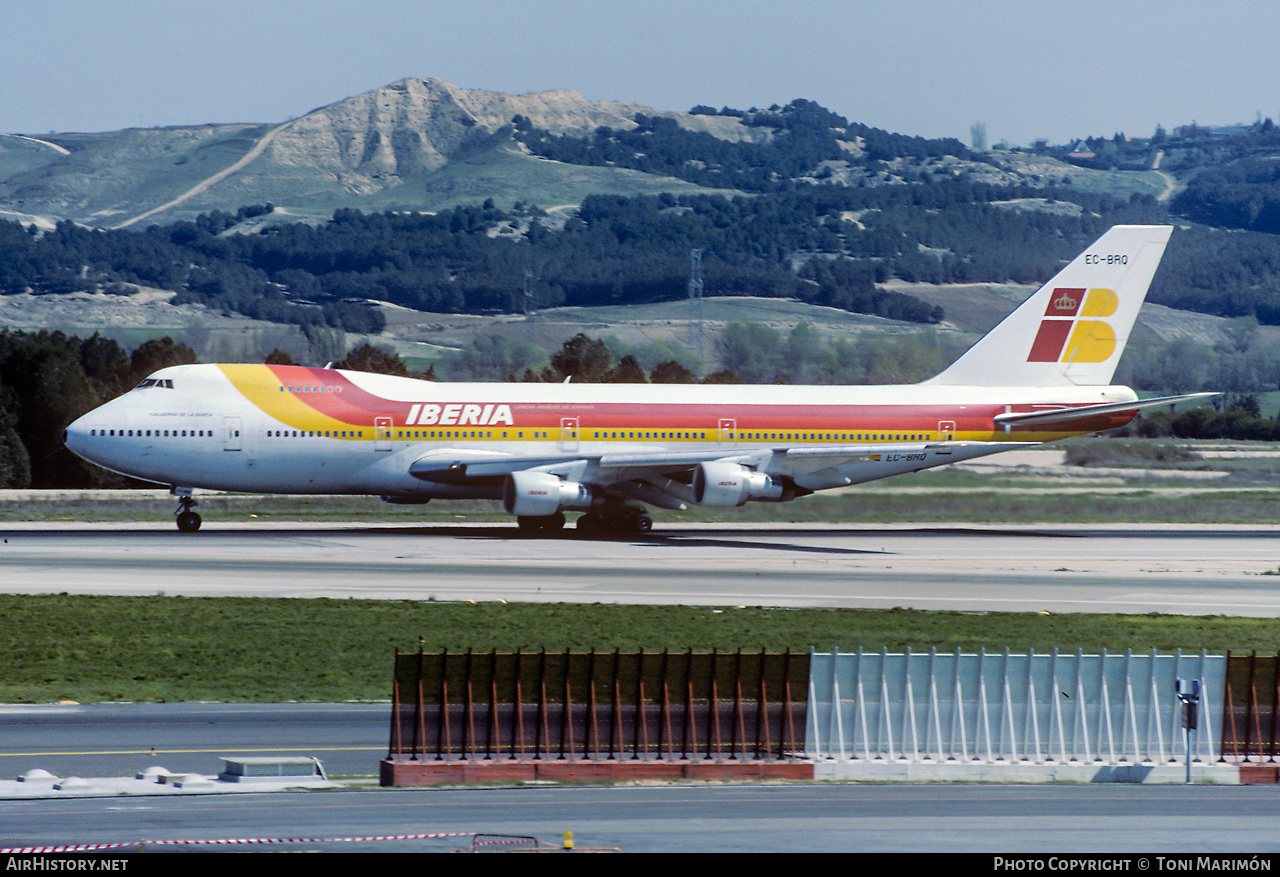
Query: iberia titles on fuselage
{"type": "Point", "coordinates": [608, 450]}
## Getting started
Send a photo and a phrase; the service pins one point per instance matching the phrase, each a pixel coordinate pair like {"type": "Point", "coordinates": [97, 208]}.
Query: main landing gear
{"type": "Point", "coordinates": [541, 523]}
{"type": "Point", "coordinates": [615, 519]}
{"type": "Point", "coordinates": [606, 521]}
{"type": "Point", "coordinates": [187, 520]}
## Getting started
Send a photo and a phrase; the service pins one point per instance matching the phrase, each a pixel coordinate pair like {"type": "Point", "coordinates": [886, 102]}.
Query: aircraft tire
{"type": "Point", "coordinates": [188, 522]}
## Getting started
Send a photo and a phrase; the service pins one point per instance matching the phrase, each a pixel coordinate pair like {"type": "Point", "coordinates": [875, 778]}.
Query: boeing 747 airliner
{"type": "Point", "coordinates": [607, 451]}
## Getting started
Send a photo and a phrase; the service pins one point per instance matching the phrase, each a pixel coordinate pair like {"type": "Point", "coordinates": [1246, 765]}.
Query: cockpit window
{"type": "Point", "coordinates": [156, 382]}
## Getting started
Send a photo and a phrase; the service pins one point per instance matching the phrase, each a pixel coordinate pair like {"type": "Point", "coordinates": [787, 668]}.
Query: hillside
{"type": "Point", "coordinates": [417, 144]}
{"type": "Point", "coordinates": [427, 145]}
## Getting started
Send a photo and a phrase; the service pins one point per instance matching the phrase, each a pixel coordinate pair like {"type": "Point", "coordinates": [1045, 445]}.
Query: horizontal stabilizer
{"type": "Point", "coordinates": [1060, 417]}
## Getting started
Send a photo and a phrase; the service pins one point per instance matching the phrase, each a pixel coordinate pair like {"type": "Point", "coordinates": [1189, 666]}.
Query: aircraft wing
{"type": "Point", "coordinates": [467, 466]}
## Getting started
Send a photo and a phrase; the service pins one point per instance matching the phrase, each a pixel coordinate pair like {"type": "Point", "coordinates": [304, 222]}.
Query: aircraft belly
{"type": "Point", "coordinates": [326, 468]}
{"type": "Point", "coordinates": [154, 461]}
{"type": "Point", "coordinates": [430, 490]}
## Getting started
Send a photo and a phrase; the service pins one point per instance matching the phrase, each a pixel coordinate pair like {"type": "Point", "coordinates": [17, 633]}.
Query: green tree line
{"type": "Point", "coordinates": [616, 250]}
{"type": "Point", "coordinates": [47, 380]}
{"type": "Point", "coordinates": [748, 352]}
{"type": "Point", "coordinates": [824, 245]}
{"type": "Point", "coordinates": [1235, 418]}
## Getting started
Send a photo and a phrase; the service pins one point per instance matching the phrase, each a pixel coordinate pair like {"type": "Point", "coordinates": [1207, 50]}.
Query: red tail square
{"type": "Point", "coordinates": [1050, 340]}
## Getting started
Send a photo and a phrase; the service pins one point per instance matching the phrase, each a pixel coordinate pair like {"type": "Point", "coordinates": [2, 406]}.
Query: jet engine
{"type": "Point", "coordinates": [728, 484]}
{"type": "Point", "coordinates": [536, 494]}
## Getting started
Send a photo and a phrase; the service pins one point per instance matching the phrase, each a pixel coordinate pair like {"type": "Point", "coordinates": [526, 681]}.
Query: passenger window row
{"type": "Point", "coordinates": [488, 434]}
{"type": "Point", "coordinates": [833, 436]}
{"type": "Point", "coordinates": [678, 436]}
{"type": "Point", "coordinates": [153, 433]}
{"type": "Point", "coordinates": [315, 433]}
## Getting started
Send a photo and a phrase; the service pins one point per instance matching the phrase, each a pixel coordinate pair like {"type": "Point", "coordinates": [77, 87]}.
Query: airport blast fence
{"type": "Point", "coordinates": [610, 706]}
{"type": "Point", "coordinates": [1251, 708]}
{"type": "Point", "coordinates": [1027, 708]}
{"type": "Point", "coordinates": [778, 709]}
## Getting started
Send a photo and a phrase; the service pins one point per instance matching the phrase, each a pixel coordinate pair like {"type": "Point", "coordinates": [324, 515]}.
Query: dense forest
{"type": "Point", "coordinates": [800, 136]}
{"type": "Point", "coordinates": [47, 380]}
{"type": "Point", "coordinates": [1241, 194]}
{"type": "Point", "coordinates": [824, 245]}
{"type": "Point", "coordinates": [1232, 182]}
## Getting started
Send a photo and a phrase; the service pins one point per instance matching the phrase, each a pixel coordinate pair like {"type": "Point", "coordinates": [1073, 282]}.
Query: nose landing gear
{"type": "Point", "coordinates": [187, 520]}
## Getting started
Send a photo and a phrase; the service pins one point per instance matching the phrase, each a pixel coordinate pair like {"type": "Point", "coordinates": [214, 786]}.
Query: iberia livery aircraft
{"type": "Point", "coordinates": [608, 449]}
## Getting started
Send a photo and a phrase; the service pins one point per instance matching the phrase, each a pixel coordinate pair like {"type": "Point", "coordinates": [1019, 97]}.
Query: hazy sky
{"type": "Point", "coordinates": [1025, 68]}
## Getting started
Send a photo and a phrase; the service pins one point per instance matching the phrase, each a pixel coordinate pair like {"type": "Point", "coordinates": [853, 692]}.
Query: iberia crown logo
{"type": "Point", "coordinates": [1065, 303]}
{"type": "Point", "coordinates": [1073, 329]}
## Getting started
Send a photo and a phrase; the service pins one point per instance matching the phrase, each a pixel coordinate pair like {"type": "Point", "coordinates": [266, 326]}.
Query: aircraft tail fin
{"type": "Point", "coordinates": [1072, 331]}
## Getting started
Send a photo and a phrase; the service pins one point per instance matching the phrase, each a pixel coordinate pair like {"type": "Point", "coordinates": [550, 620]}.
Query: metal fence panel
{"type": "Point", "coordinates": [1251, 712]}
{"type": "Point", "coordinates": [598, 706]}
{"type": "Point", "coordinates": [1001, 707]}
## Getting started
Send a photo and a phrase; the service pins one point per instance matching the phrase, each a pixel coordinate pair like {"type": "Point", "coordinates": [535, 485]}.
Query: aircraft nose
{"type": "Point", "coordinates": [75, 436]}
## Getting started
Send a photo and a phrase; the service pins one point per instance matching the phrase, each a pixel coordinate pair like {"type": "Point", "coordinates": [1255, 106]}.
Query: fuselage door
{"type": "Point", "coordinates": [728, 431]}
{"type": "Point", "coordinates": [231, 433]}
{"type": "Point", "coordinates": [382, 433]}
{"type": "Point", "coordinates": [568, 433]}
{"type": "Point", "coordinates": [947, 431]}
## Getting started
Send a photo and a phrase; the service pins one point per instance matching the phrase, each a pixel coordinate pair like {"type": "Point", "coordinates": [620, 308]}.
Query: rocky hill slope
{"type": "Point", "coordinates": [390, 147]}
{"type": "Point", "coordinates": [417, 144]}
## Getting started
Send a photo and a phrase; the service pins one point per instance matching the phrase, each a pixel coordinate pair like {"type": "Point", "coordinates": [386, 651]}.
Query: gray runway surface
{"type": "Point", "coordinates": [1130, 569]}
{"type": "Point", "coordinates": [1164, 821]}
{"type": "Point", "coordinates": [122, 739]}
{"type": "Point", "coordinates": [1194, 570]}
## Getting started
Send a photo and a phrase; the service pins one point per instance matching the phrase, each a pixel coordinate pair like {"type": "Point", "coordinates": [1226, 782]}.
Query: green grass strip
{"type": "Point", "coordinates": [93, 648]}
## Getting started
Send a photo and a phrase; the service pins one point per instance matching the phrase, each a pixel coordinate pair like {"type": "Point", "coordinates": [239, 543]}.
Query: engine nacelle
{"type": "Point", "coordinates": [535, 494]}
{"type": "Point", "coordinates": [728, 484]}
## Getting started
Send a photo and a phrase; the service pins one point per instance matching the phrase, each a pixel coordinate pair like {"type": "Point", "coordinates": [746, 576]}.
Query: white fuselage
{"type": "Point", "coordinates": [266, 429]}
